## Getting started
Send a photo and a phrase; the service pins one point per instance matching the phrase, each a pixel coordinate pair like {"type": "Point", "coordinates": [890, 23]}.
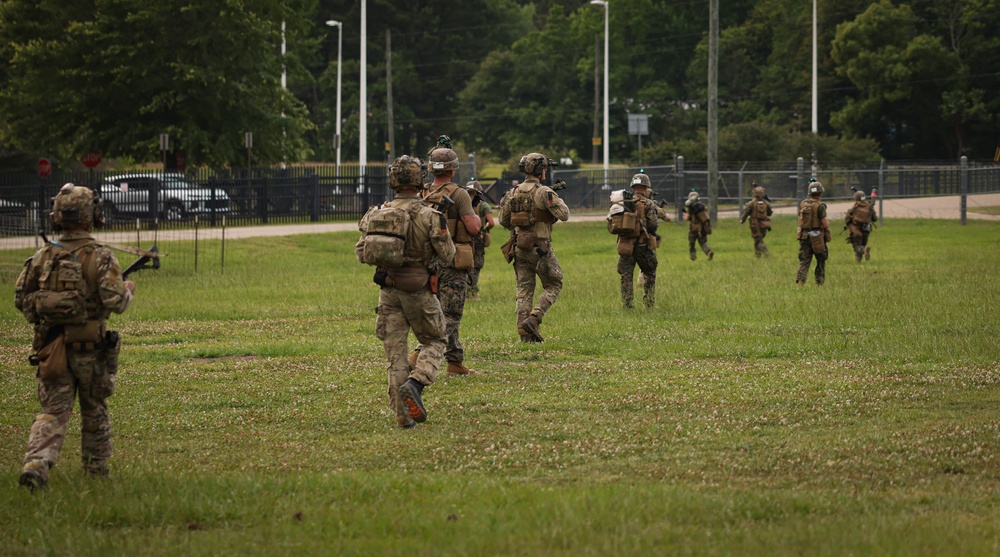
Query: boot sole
{"type": "Point", "coordinates": [412, 404]}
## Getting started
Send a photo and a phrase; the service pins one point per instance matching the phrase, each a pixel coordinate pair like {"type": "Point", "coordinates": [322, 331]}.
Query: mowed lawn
{"type": "Point", "coordinates": [743, 416]}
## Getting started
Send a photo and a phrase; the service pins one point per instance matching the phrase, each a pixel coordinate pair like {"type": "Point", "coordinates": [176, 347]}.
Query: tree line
{"type": "Point", "coordinates": [897, 79]}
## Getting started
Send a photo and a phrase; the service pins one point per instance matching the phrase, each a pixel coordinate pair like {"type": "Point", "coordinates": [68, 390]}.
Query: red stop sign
{"type": "Point", "coordinates": [92, 159]}
{"type": "Point", "coordinates": [44, 167]}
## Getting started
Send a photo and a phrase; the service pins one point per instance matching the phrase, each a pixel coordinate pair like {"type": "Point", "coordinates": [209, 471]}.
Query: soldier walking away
{"type": "Point", "coordinates": [858, 222]}
{"type": "Point", "coordinates": [758, 210]}
{"type": "Point", "coordinates": [482, 240]}
{"type": "Point", "coordinates": [813, 235]}
{"type": "Point", "coordinates": [67, 290]}
{"type": "Point", "coordinates": [401, 239]}
{"type": "Point", "coordinates": [529, 211]}
{"type": "Point", "coordinates": [700, 225]}
{"type": "Point", "coordinates": [634, 221]}
{"type": "Point", "coordinates": [463, 225]}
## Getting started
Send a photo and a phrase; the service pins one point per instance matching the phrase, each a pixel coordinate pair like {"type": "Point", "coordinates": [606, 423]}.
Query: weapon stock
{"type": "Point", "coordinates": [141, 262]}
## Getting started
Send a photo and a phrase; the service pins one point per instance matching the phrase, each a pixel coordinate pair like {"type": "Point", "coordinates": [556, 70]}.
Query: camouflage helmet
{"type": "Point", "coordinates": [443, 160]}
{"type": "Point", "coordinates": [533, 164]}
{"type": "Point", "coordinates": [76, 207]}
{"type": "Point", "coordinates": [474, 185]}
{"type": "Point", "coordinates": [859, 196]}
{"type": "Point", "coordinates": [758, 191]}
{"type": "Point", "coordinates": [407, 172]}
{"type": "Point", "coordinates": [815, 188]}
{"type": "Point", "coordinates": [640, 180]}
{"type": "Point", "coordinates": [693, 196]}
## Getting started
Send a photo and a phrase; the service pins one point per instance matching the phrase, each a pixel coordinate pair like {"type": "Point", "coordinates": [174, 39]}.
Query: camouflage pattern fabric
{"type": "Point", "coordinates": [91, 374]}
{"type": "Point", "coordinates": [702, 239]}
{"type": "Point", "coordinates": [93, 381]}
{"type": "Point", "coordinates": [452, 287]}
{"type": "Point", "coordinates": [527, 266]}
{"type": "Point", "coordinates": [806, 254]}
{"type": "Point", "coordinates": [859, 243]}
{"type": "Point", "coordinates": [646, 259]}
{"type": "Point", "coordinates": [478, 250]}
{"type": "Point", "coordinates": [398, 313]}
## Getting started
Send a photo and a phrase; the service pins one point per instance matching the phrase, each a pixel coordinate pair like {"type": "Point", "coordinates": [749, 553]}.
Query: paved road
{"type": "Point", "coordinates": [926, 207]}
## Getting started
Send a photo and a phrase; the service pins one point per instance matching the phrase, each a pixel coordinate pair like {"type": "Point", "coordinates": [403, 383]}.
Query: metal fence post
{"type": "Point", "coordinates": [800, 181]}
{"type": "Point", "coordinates": [965, 187]}
{"type": "Point", "coordinates": [680, 188]}
{"type": "Point", "coordinates": [881, 190]}
{"type": "Point", "coordinates": [314, 195]}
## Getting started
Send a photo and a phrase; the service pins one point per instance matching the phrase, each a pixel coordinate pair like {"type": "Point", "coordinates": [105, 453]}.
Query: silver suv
{"type": "Point", "coordinates": [136, 194]}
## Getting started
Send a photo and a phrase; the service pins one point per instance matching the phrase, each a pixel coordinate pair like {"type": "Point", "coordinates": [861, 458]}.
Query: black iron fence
{"type": "Point", "coordinates": [178, 208]}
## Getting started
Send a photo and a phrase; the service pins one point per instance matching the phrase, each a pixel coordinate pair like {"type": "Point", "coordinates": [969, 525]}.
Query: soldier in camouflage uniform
{"type": "Point", "coordinates": [453, 277]}
{"type": "Point", "coordinates": [533, 254]}
{"type": "Point", "coordinates": [813, 235]}
{"type": "Point", "coordinates": [700, 226]}
{"type": "Point", "coordinates": [68, 289]}
{"type": "Point", "coordinates": [858, 222]}
{"type": "Point", "coordinates": [406, 300]}
{"type": "Point", "coordinates": [759, 211]}
{"type": "Point", "coordinates": [482, 240]}
{"type": "Point", "coordinates": [642, 248]}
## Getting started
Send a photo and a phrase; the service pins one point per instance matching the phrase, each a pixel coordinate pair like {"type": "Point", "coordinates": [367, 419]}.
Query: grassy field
{"type": "Point", "coordinates": [744, 416]}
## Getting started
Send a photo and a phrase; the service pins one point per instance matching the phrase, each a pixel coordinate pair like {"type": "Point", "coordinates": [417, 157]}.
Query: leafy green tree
{"type": "Point", "coordinates": [115, 74]}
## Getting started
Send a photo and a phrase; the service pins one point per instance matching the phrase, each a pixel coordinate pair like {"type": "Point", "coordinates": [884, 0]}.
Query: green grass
{"type": "Point", "coordinates": [744, 416]}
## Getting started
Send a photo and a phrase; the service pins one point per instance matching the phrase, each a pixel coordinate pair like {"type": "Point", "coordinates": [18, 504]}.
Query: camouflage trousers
{"type": "Point", "coordinates": [528, 264]}
{"type": "Point", "coordinates": [759, 247]}
{"type": "Point", "coordinates": [92, 379]}
{"type": "Point", "coordinates": [859, 243]}
{"type": "Point", "coordinates": [479, 261]}
{"type": "Point", "coordinates": [452, 287]}
{"type": "Point", "coordinates": [702, 240]}
{"type": "Point", "coordinates": [806, 254]}
{"type": "Point", "coordinates": [646, 259]}
{"type": "Point", "coordinates": [398, 313]}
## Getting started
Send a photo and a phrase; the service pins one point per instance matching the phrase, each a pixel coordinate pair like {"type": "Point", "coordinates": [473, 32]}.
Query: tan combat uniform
{"type": "Point", "coordinates": [758, 210]}
{"type": "Point", "coordinates": [91, 364]}
{"type": "Point", "coordinates": [410, 304]}
{"type": "Point", "coordinates": [539, 258]}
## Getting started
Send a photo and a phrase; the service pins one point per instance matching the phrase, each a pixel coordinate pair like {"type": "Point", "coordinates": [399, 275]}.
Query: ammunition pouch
{"type": "Point", "coordinates": [487, 240]}
{"type": "Point", "coordinates": [64, 307]}
{"type": "Point", "coordinates": [52, 363]}
{"type": "Point", "coordinates": [507, 249]}
{"type": "Point", "coordinates": [464, 257]}
{"type": "Point", "coordinates": [626, 246]}
{"type": "Point", "coordinates": [86, 337]}
{"type": "Point", "coordinates": [521, 218]}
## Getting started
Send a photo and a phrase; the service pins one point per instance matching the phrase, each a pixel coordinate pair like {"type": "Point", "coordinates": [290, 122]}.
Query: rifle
{"type": "Point", "coordinates": [141, 262]}
{"type": "Point", "coordinates": [442, 205]}
{"type": "Point", "coordinates": [41, 234]}
{"type": "Point", "coordinates": [559, 184]}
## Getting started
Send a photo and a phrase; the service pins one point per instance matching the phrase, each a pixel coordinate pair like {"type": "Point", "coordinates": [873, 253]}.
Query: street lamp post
{"type": "Point", "coordinates": [605, 141]}
{"type": "Point", "coordinates": [340, 42]}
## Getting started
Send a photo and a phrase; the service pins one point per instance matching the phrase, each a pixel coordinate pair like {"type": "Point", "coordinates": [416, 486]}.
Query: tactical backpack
{"type": "Point", "coordinates": [862, 213]}
{"type": "Point", "coordinates": [455, 225]}
{"type": "Point", "coordinates": [521, 207]}
{"type": "Point", "coordinates": [63, 286]}
{"type": "Point", "coordinates": [759, 211]}
{"type": "Point", "coordinates": [808, 215]}
{"type": "Point", "coordinates": [627, 224]}
{"type": "Point", "coordinates": [386, 235]}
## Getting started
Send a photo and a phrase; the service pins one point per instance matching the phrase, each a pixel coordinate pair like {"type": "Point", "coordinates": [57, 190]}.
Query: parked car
{"type": "Point", "coordinates": [179, 198]}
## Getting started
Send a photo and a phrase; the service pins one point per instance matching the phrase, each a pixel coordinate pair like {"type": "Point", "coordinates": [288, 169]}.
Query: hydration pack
{"type": "Point", "coordinates": [386, 235]}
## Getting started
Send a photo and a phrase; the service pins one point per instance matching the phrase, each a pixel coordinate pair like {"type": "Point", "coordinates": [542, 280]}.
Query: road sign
{"type": "Point", "coordinates": [44, 167]}
{"type": "Point", "coordinates": [92, 159]}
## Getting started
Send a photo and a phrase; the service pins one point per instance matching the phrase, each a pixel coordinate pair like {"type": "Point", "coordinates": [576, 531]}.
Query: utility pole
{"type": "Point", "coordinates": [713, 105]}
{"type": "Point", "coordinates": [597, 96]}
{"type": "Point", "coordinates": [388, 94]}
{"type": "Point", "coordinates": [363, 112]}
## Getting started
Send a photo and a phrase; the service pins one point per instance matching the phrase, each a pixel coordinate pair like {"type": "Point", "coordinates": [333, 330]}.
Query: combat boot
{"type": "Point", "coordinates": [868, 253]}
{"type": "Point", "coordinates": [409, 396]}
{"type": "Point", "coordinates": [457, 368]}
{"type": "Point", "coordinates": [530, 326]}
{"type": "Point", "coordinates": [711, 254]}
{"type": "Point", "coordinates": [413, 357]}
{"type": "Point", "coordinates": [694, 255]}
{"type": "Point", "coordinates": [31, 480]}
